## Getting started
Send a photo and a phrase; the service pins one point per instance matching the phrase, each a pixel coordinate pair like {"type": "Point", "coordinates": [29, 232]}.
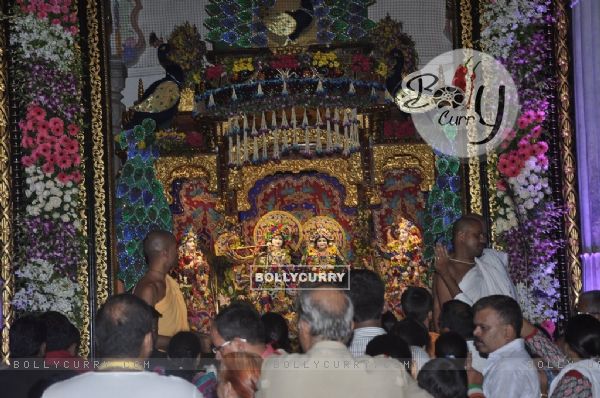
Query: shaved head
{"type": "Point", "coordinates": [157, 242]}
{"type": "Point", "coordinates": [589, 303]}
{"type": "Point", "coordinates": [463, 224]}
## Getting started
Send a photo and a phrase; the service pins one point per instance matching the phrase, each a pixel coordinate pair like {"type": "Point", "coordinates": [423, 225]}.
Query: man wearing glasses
{"type": "Point", "coordinates": [238, 328]}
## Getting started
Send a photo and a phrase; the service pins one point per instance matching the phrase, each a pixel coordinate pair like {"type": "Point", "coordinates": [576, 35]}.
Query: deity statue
{"type": "Point", "coordinates": [277, 253]}
{"type": "Point", "coordinates": [322, 250]}
{"type": "Point", "coordinates": [197, 283]}
{"type": "Point", "coordinates": [402, 265]}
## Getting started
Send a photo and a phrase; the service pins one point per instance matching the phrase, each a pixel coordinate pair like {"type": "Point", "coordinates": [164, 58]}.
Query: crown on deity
{"type": "Point", "coordinates": [190, 236]}
{"type": "Point", "coordinates": [278, 229]}
{"type": "Point", "coordinates": [321, 232]}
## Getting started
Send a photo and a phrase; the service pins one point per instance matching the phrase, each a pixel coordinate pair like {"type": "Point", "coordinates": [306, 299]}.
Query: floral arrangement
{"type": "Point", "coordinates": [50, 238]}
{"type": "Point", "coordinates": [527, 219]}
{"type": "Point", "coordinates": [285, 61]}
{"type": "Point", "coordinates": [243, 65]}
{"type": "Point", "coordinates": [325, 60]}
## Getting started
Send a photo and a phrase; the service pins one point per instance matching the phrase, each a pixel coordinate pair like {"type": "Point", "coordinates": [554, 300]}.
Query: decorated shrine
{"type": "Point", "coordinates": [271, 133]}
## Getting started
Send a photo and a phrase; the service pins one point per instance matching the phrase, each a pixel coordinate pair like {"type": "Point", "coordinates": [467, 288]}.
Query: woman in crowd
{"type": "Point", "coordinates": [582, 344]}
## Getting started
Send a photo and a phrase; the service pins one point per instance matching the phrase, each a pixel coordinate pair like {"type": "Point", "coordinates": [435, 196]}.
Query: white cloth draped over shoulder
{"type": "Point", "coordinates": [589, 368]}
{"type": "Point", "coordinates": [488, 276]}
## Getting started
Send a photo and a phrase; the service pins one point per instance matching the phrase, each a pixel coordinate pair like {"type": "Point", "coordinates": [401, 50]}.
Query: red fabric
{"type": "Point", "coordinates": [269, 351]}
{"type": "Point", "coordinates": [66, 361]}
{"type": "Point", "coordinates": [574, 374]}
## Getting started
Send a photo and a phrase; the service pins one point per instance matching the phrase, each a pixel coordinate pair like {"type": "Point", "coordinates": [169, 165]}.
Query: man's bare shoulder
{"type": "Point", "coordinates": [148, 289]}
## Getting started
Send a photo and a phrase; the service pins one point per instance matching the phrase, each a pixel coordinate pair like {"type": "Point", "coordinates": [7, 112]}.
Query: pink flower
{"type": "Point", "coordinates": [56, 125]}
{"type": "Point", "coordinates": [76, 160]}
{"type": "Point", "coordinates": [27, 141]}
{"type": "Point", "coordinates": [523, 122]}
{"type": "Point", "coordinates": [27, 161]}
{"type": "Point", "coordinates": [64, 9]}
{"type": "Point", "coordinates": [42, 15]}
{"type": "Point", "coordinates": [76, 176]}
{"type": "Point", "coordinates": [73, 129]}
{"type": "Point", "coordinates": [63, 162]}
{"type": "Point", "coordinates": [540, 116]}
{"type": "Point", "coordinates": [36, 112]}
{"type": "Point", "coordinates": [66, 18]}
{"type": "Point", "coordinates": [42, 127]}
{"type": "Point", "coordinates": [48, 168]}
{"type": "Point", "coordinates": [55, 21]}
{"type": "Point", "coordinates": [55, 9]}
{"type": "Point", "coordinates": [536, 132]}
{"type": "Point", "coordinates": [44, 150]}
{"type": "Point", "coordinates": [523, 143]}
{"type": "Point", "coordinates": [63, 177]}
{"type": "Point", "coordinates": [74, 30]}
{"type": "Point", "coordinates": [501, 185]}
{"type": "Point", "coordinates": [543, 147]}
{"type": "Point", "coordinates": [73, 17]}
{"type": "Point", "coordinates": [542, 161]}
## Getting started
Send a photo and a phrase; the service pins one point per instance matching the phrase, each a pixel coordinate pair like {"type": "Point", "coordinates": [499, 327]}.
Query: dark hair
{"type": "Point", "coordinates": [507, 308]}
{"type": "Point", "coordinates": [416, 303]}
{"type": "Point", "coordinates": [457, 316]}
{"type": "Point", "coordinates": [390, 346]}
{"type": "Point", "coordinates": [366, 293]}
{"type": "Point", "coordinates": [451, 345]}
{"type": "Point", "coordinates": [276, 331]}
{"type": "Point", "coordinates": [122, 323]}
{"type": "Point", "coordinates": [183, 351]}
{"type": "Point", "coordinates": [583, 336]}
{"type": "Point", "coordinates": [60, 332]}
{"type": "Point", "coordinates": [443, 378]}
{"type": "Point", "coordinates": [240, 320]}
{"type": "Point", "coordinates": [27, 334]}
{"type": "Point", "coordinates": [412, 332]}
{"type": "Point", "coordinates": [388, 320]}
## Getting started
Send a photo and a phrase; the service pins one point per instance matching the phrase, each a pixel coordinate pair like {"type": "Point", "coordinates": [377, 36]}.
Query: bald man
{"type": "Point", "coordinates": [472, 271]}
{"type": "Point", "coordinates": [327, 369]}
{"type": "Point", "coordinates": [161, 291]}
{"type": "Point", "coordinates": [589, 303]}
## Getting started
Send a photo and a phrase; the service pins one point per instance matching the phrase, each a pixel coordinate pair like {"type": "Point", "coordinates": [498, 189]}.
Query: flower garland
{"type": "Point", "coordinates": [526, 218]}
{"type": "Point", "coordinates": [48, 86]}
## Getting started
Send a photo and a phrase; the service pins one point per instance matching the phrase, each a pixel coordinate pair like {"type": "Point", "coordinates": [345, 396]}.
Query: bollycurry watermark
{"type": "Point", "coordinates": [299, 277]}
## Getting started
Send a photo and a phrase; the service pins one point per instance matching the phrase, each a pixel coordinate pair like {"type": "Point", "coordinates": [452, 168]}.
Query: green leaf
{"type": "Point", "coordinates": [213, 9]}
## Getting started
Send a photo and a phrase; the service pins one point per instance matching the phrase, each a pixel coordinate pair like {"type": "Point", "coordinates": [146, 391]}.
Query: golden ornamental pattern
{"type": "Point", "coordinates": [171, 168]}
{"type": "Point", "coordinates": [347, 171]}
{"type": "Point", "coordinates": [568, 160]}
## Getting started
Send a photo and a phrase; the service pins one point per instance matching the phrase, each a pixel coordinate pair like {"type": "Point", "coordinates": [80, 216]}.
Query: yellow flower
{"type": "Point", "coordinates": [382, 69]}
{"type": "Point", "coordinates": [141, 145]}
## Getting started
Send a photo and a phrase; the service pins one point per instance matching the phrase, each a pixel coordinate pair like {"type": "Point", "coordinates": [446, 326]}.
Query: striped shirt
{"type": "Point", "coordinates": [361, 338]}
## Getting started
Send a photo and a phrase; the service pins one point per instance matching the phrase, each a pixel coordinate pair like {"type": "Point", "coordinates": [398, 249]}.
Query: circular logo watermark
{"type": "Point", "coordinates": [463, 102]}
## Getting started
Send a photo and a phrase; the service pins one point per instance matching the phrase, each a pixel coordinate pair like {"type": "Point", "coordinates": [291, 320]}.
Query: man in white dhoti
{"type": "Point", "coordinates": [472, 271]}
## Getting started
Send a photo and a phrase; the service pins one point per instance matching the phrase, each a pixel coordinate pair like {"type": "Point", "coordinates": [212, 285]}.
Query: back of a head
{"type": "Point", "coordinates": [506, 307]}
{"type": "Point", "coordinates": [417, 303]}
{"type": "Point", "coordinates": [276, 330]}
{"type": "Point", "coordinates": [182, 352]}
{"type": "Point", "coordinates": [184, 345]}
{"type": "Point", "coordinates": [242, 371]}
{"type": "Point", "coordinates": [328, 312]}
{"type": "Point", "coordinates": [589, 303]}
{"type": "Point", "coordinates": [27, 334]}
{"type": "Point", "coordinates": [388, 320]}
{"type": "Point", "coordinates": [583, 336]}
{"type": "Point", "coordinates": [155, 242]}
{"type": "Point", "coordinates": [240, 320]}
{"type": "Point", "coordinates": [412, 332]}
{"type": "Point", "coordinates": [451, 345]}
{"type": "Point", "coordinates": [60, 332]}
{"type": "Point", "coordinates": [392, 347]}
{"type": "Point", "coordinates": [443, 378]}
{"type": "Point", "coordinates": [367, 294]}
{"type": "Point", "coordinates": [122, 323]}
{"type": "Point", "coordinates": [457, 316]}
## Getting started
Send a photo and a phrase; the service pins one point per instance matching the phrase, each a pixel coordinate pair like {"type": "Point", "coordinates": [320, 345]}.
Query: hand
{"type": "Point", "coordinates": [442, 260]}
{"type": "Point", "coordinates": [473, 376]}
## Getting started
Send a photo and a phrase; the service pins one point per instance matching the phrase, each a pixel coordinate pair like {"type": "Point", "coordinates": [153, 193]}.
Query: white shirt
{"type": "Point", "coordinates": [509, 372]}
{"type": "Point", "coordinates": [488, 276]}
{"type": "Point", "coordinates": [478, 362]}
{"type": "Point", "coordinates": [362, 337]}
{"type": "Point", "coordinates": [123, 385]}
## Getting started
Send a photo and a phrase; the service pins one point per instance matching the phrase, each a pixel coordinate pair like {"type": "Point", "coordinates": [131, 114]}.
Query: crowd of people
{"type": "Point", "coordinates": [465, 338]}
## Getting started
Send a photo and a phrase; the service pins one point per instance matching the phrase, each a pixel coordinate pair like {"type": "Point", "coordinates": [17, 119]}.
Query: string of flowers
{"type": "Point", "coordinates": [48, 88]}
{"type": "Point", "coordinates": [526, 218]}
